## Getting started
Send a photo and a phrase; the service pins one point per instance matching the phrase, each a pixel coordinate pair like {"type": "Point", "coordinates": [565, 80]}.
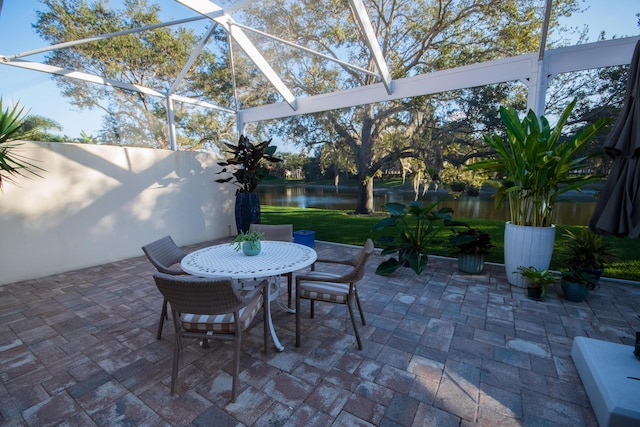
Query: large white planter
{"type": "Point", "coordinates": [526, 246]}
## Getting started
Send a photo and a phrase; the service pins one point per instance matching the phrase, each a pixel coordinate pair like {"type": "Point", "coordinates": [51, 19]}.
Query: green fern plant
{"type": "Point", "coordinates": [13, 164]}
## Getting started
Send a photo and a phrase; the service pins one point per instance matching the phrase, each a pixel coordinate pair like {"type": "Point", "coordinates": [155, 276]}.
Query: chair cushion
{"type": "Point", "coordinates": [324, 291]}
{"type": "Point", "coordinates": [222, 323]}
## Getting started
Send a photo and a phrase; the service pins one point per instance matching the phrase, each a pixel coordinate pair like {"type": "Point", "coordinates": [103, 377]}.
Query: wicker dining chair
{"type": "Point", "coordinates": [165, 256]}
{"type": "Point", "coordinates": [334, 288]}
{"type": "Point", "coordinates": [280, 233]}
{"type": "Point", "coordinates": [212, 309]}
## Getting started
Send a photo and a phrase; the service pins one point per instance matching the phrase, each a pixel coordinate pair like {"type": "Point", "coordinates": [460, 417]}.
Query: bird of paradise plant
{"type": "Point", "coordinates": [534, 164]}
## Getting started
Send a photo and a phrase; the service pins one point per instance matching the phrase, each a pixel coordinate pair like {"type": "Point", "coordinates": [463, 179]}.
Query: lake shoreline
{"type": "Point", "coordinates": [574, 208]}
{"type": "Point", "coordinates": [584, 196]}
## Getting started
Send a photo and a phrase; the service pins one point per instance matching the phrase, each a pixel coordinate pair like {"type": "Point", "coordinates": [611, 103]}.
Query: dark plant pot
{"type": "Point", "coordinates": [597, 273]}
{"type": "Point", "coordinates": [535, 294]}
{"type": "Point", "coordinates": [470, 263]}
{"type": "Point", "coordinates": [576, 292]}
{"type": "Point", "coordinates": [247, 211]}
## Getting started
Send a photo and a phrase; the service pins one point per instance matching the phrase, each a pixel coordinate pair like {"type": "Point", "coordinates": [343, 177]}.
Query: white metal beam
{"type": "Point", "coordinates": [545, 29]}
{"type": "Point", "coordinates": [87, 77]}
{"type": "Point", "coordinates": [501, 70]}
{"type": "Point", "coordinates": [587, 56]}
{"type": "Point", "coordinates": [362, 18]}
{"type": "Point", "coordinates": [236, 5]}
{"type": "Point", "coordinates": [194, 56]}
{"type": "Point", "coordinates": [92, 78]}
{"type": "Point", "coordinates": [173, 145]}
{"type": "Point", "coordinates": [310, 51]}
{"type": "Point", "coordinates": [211, 10]}
{"type": "Point", "coordinates": [575, 58]}
{"type": "Point", "coordinates": [102, 37]}
{"type": "Point", "coordinates": [199, 103]}
{"type": "Point", "coordinates": [537, 83]}
{"type": "Point", "coordinates": [519, 68]}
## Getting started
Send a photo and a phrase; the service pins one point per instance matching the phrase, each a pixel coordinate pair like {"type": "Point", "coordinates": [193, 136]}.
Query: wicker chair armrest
{"type": "Point", "coordinates": [345, 262]}
{"type": "Point", "coordinates": [332, 261]}
{"type": "Point", "coordinates": [330, 278]}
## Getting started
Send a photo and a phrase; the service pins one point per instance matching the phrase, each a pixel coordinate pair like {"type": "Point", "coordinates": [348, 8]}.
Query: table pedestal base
{"type": "Point", "coordinates": [274, 291]}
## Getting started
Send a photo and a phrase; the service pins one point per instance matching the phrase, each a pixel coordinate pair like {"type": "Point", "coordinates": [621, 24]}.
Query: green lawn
{"type": "Point", "coordinates": [343, 227]}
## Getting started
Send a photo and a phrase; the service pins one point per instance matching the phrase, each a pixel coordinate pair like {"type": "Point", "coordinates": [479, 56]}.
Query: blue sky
{"type": "Point", "coordinates": [39, 94]}
{"type": "Point", "coordinates": [35, 90]}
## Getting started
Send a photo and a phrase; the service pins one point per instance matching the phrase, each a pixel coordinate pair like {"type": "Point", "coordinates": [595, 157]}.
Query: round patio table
{"type": "Point", "coordinates": [275, 258]}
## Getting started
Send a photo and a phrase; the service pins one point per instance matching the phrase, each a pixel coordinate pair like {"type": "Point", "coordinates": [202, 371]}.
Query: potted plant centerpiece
{"type": "Point", "coordinates": [533, 165]}
{"type": "Point", "coordinates": [248, 167]}
{"type": "Point", "coordinates": [248, 242]}
{"type": "Point", "coordinates": [537, 281]}
{"type": "Point", "coordinates": [588, 253]}
{"type": "Point", "coordinates": [471, 245]}
{"type": "Point", "coordinates": [414, 228]}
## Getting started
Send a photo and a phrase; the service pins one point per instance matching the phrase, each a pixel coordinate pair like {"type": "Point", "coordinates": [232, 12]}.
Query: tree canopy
{"type": "Point", "coordinates": [152, 58]}
{"type": "Point", "coordinates": [416, 37]}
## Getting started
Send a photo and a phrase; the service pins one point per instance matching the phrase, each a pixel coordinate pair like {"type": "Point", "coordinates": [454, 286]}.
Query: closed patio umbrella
{"type": "Point", "coordinates": [617, 210]}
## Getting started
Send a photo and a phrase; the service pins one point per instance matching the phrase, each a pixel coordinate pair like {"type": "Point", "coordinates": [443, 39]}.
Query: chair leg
{"type": "Point", "coordinates": [354, 323]}
{"type": "Point", "coordinates": [178, 328]}
{"type": "Point", "coordinates": [236, 363]}
{"type": "Point", "coordinates": [289, 288]}
{"type": "Point", "coordinates": [163, 315]}
{"type": "Point", "coordinates": [359, 306]}
{"type": "Point", "coordinates": [297, 314]}
{"type": "Point", "coordinates": [176, 359]}
{"type": "Point", "coordinates": [265, 319]}
{"type": "Point", "coordinates": [313, 306]}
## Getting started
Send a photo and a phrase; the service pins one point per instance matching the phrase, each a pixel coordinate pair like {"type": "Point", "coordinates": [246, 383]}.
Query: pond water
{"type": "Point", "coordinates": [573, 210]}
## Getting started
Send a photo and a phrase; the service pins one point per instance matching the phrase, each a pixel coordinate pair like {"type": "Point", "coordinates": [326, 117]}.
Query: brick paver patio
{"type": "Point", "coordinates": [440, 349]}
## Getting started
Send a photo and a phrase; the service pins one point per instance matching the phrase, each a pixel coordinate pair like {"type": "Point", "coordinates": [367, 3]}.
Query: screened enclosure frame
{"type": "Point", "coordinates": [534, 70]}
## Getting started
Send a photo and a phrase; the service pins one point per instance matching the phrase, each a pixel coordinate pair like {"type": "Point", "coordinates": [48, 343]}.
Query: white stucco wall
{"type": "Point", "coordinates": [98, 204]}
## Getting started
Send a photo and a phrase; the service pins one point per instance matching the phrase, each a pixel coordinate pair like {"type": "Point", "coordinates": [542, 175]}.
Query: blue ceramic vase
{"type": "Point", "coordinates": [251, 248]}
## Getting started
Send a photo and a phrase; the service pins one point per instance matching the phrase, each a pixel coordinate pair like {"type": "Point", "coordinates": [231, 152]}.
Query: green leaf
{"type": "Point", "coordinates": [388, 267]}
{"type": "Point", "coordinates": [383, 223]}
{"type": "Point", "coordinates": [417, 262]}
{"type": "Point", "coordinates": [396, 209]}
{"type": "Point", "coordinates": [391, 249]}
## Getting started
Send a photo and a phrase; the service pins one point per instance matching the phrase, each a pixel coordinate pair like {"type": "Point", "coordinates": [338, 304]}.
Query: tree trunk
{"type": "Point", "coordinates": [364, 204]}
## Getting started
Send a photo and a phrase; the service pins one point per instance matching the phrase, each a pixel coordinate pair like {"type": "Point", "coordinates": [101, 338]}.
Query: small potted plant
{"type": "Point", "coordinates": [246, 168]}
{"type": "Point", "coordinates": [537, 281]}
{"type": "Point", "coordinates": [588, 252]}
{"type": "Point", "coordinates": [471, 245]}
{"type": "Point", "coordinates": [249, 242]}
{"type": "Point", "coordinates": [415, 228]}
{"type": "Point", "coordinates": [576, 284]}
